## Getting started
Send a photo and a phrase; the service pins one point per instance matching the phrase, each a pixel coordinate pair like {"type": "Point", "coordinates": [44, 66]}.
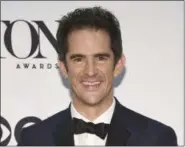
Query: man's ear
{"type": "Point", "coordinates": [63, 68]}
{"type": "Point", "coordinates": [120, 65]}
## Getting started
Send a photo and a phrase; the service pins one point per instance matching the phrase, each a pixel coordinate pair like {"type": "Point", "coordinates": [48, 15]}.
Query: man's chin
{"type": "Point", "coordinates": [92, 100]}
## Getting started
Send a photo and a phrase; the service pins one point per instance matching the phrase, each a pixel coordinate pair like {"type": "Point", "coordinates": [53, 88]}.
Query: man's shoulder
{"type": "Point", "coordinates": [147, 128]}
{"type": "Point", "coordinates": [137, 120]}
{"type": "Point", "coordinates": [47, 124]}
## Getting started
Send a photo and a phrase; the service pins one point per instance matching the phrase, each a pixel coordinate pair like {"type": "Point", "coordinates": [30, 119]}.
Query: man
{"type": "Point", "coordinates": [90, 57]}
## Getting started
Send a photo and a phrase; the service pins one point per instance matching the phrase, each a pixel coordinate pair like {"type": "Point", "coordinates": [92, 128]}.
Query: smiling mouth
{"type": "Point", "coordinates": [91, 83]}
{"type": "Point", "coordinates": [91, 86]}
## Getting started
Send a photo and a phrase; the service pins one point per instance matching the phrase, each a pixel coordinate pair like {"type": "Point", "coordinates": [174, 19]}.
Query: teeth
{"type": "Point", "coordinates": [91, 83]}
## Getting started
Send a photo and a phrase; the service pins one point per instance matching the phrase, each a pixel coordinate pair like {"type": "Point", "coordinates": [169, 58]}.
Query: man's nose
{"type": "Point", "coordinates": [90, 68]}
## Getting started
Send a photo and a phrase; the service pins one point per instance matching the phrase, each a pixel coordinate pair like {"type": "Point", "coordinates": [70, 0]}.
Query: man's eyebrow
{"type": "Point", "coordinates": [102, 54]}
{"type": "Point", "coordinates": [73, 56]}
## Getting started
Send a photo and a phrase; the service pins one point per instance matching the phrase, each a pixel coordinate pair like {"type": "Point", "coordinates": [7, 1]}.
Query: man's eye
{"type": "Point", "coordinates": [77, 59]}
{"type": "Point", "coordinates": [101, 58]}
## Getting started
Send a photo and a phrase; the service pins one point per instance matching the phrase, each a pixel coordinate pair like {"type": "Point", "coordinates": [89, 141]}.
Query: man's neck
{"type": "Point", "coordinates": [92, 112]}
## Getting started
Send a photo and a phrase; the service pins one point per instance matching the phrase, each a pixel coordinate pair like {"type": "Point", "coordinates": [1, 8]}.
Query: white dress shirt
{"type": "Point", "coordinates": [92, 139]}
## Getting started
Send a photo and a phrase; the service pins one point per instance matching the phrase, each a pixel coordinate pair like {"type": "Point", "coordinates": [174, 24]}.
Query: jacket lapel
{"type": "Point", "coordinates": [63, 135]}
{"type": "Point", "coordinates": [118, 133]}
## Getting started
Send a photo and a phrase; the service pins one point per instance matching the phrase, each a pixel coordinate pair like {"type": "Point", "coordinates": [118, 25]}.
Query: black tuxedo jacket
{"type": "Point", "coordinates": [127, 128]}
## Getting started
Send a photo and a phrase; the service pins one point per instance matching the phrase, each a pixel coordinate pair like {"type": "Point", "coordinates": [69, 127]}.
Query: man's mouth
{"type": "Point", "coordinates": [91, 85]}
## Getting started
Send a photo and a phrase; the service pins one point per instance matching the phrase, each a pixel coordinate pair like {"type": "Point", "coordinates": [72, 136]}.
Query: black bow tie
{"type": "Point", "coordinates": [80, 126]}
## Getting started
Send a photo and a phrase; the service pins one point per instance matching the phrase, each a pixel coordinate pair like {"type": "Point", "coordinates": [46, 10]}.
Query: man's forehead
{"type": "Point", "coordinates": [87, 35]}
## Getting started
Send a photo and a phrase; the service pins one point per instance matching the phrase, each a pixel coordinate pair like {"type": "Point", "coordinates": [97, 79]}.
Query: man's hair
{"type": "Point", "coordinates": [96, 18]}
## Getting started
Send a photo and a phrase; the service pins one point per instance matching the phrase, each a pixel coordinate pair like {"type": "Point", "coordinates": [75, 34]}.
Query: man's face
{"type": "Point", "coordinates": [90, 66]}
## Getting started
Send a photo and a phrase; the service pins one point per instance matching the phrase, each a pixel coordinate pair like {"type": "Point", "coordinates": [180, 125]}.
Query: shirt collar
{"type": "Point", "coordinates": [105, 117]}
